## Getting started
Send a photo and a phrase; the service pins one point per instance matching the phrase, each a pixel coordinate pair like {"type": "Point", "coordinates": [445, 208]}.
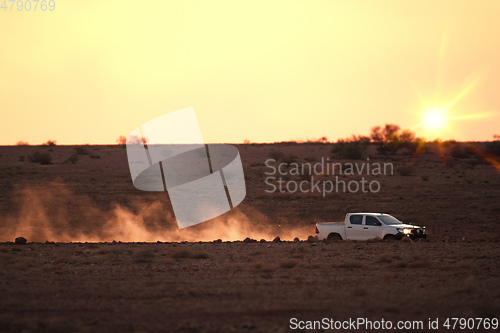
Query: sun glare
{"type": "Point", "coordinates": [435, 119]}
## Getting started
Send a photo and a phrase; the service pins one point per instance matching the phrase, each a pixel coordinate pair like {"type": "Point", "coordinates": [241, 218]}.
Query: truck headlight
{"type": "Point", "coordinates": [406, 231]}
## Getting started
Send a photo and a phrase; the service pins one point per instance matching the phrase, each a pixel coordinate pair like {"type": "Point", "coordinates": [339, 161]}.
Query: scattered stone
{"type": "Point", "coordinates": [20, 241]}
{"type": "Point", "coordinates": [263, 240]}
{"type": "Point", "coordinates": [218, 241]}
{"type": "Point", "coordinates": [312, 239]}
{"type": "Point", "coordinates": [249, 240]}
{"type": "Point", "coordinates": [296, 240]}
{"type": "Point", "coordinates": [277, 239]}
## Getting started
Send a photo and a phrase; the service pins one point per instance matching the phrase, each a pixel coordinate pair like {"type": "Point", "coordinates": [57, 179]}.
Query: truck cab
{"type": "Point", "coordinates": [363, 226]}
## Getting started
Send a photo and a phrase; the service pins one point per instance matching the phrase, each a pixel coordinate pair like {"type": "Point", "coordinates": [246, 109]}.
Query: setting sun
{"type": "Point", "coordinates": [435, 119]}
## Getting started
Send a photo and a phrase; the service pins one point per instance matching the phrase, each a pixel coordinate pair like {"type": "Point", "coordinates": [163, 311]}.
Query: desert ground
{"type": "Point", "coordinates": [102, 256]}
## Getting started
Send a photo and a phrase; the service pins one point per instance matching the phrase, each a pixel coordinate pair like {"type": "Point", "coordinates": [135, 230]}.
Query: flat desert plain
{"type": "Point", "coordinates": [102, 256]}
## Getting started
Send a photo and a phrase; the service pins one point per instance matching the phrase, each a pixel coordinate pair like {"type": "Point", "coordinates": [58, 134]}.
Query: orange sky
{"type": "Point", "coordinates": [259, 70]}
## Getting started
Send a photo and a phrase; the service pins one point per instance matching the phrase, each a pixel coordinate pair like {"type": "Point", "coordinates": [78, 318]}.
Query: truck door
{"type": "Point", "coordinates": [354, 227]}
{"type": "Point", "coordinates": [372, 227]}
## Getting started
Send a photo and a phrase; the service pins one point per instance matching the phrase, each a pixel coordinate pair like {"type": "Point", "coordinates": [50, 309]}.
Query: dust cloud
{"type": "Point", "coordinates": [54, 213]}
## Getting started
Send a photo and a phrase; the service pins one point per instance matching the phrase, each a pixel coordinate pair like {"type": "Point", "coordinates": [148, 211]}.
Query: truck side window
{"type": "Point", "coordinates": [356, 219]}
{"type": "Point", "coordinates": [370, 220]}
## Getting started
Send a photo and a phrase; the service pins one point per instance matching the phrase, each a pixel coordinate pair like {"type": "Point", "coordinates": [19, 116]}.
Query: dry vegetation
{"type": "Point", "coordinates": [254, 286]}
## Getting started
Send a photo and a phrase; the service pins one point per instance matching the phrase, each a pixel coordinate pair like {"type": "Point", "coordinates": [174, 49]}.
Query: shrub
{"type": "Point", "coordinates": [121, 141]}
{"type": "Point", "coordinates": [143, 256]}
{"type": "Point", "coordinates": [22, 143]}
{"type": "Point", "coordinates": [276, 155]}
{"type": "Point", "coordinates": [288, 264]}
{"type": "Point", "coordinates": [493, 147]}
{"type": "Point", "coordinates": [265, 268]}
{"type": "Point", "coordinates": [72, 159]}
{"type": "Point", "coordinates": [322, 140]}
{"type": "Point", "coordinates": [200, 255]}
{"type": "Point", "coordinates": [387, 138]}
{"type": "Point", "coordinates": [348, 150]}
{"type": "Point", "coordinates": [188, 254]}
{"type": "Point", "coordinates": [390, 138]}
{"type": "Point", "coordinates": [49, 143]}
{"type": "Point", "coordinates": [459, 151]}
{"type": "Point", "coordinates": [289, 159]}
{"type": "Point", "coordinates": [181, 254]}
{"type": "Point", "coordinates": [82, 150]}
{"type": "Point", "coordinates": [42, 158]}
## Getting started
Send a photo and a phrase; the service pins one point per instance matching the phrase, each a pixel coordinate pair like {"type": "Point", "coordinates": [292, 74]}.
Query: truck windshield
{"type": "Point", "coordinates": [388, 219]}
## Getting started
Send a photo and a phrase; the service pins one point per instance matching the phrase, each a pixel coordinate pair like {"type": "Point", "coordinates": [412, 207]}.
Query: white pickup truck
{"type": "Point", "coordinates": [363, 226]}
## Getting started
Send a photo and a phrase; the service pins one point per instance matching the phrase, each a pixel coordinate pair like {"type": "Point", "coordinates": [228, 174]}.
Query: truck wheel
{"type": "Point", "coordinates": [389, 238]}
{"type": "Point", "coordinates": [334, 237]}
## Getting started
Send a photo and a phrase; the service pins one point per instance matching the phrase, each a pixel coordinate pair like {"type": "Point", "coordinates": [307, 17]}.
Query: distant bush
{"type": "Point", "coordinates": [181, 254]}
{"type": "Point", "coordinates": [493, 147]}
{"type": "Point", "coordinates": [22, 143]}
{"type": "Point", "coordinates": [289, 159]}
{"type": "Point", "coordinates": [348, 150]}
{"type": "Point", "coordinates": [459, 151]}
{"type": "Point", "coordinates": [276, 155]}
{"type": "Point", "coordinates": [80, 150]}
{"type": "Point", "coordinates": [322, 140]}
{"type": "Point", "coordinates": [265, 268]}
{"type": "Point", "coordinates": [143, 256]}
{"type": "Point", "coordinates": [390, 139]}
{"type": "Point", "coordinates": [49, 143]}
{"type": "Point", "coordinates": [121, 141]}
{"type": "Point", "coordinates": [72, 159]}
{"type": "Point", "coordinates": [42, 158]}
{"type": "Point", "coordinates": [405, 170]}
{"type": "Point", "coordinates": [200, 255]}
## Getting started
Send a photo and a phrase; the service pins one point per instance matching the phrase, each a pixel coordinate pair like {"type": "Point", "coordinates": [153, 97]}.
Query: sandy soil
{"type": "Point", "coordinates": [238, 286]}
{"type": "Point", "coordinates": [257, 287]}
